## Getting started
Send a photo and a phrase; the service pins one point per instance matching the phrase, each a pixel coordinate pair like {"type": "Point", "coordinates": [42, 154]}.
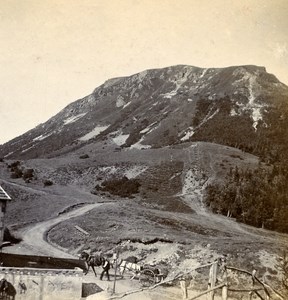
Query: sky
{"type": "Point", "coordinates": [54, 52]}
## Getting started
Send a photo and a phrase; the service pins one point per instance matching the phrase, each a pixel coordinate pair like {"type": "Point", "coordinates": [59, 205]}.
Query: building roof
{"type": "Point", "coordinates": [4, 195]}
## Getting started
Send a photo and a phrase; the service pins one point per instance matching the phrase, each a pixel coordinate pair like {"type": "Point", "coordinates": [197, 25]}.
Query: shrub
{"type": "Point", "coordinates": [122, 187]}
{"type": "Point", "coordinates": [28, 174]}
{"type": "Point", "coordinates": [47, 182]}
{"type": "Point", "coordinates": [15, 169]}
{"type": "Point", "coordinates": [15, 164]}
{"type": "Point", "coordinates": [17, 173]}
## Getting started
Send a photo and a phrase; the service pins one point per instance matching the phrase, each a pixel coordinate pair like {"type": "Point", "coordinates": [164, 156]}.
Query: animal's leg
{"type": "Point", "coordinates": [122, 269]}
{"type": "Point", "coordinates": [93, 268]}
{"type": "Point", "coordinates": [112, 264]}
{"type": "Point", "coordinates": [87, 267]}
{"type": "Point", "coordinates": [136, 273]}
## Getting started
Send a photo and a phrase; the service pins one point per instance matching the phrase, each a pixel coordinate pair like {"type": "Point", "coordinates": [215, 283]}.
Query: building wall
{"type": "Point", "coordinates": [44, 284]}
{"type": "Point", "coordinates": [2, 213]}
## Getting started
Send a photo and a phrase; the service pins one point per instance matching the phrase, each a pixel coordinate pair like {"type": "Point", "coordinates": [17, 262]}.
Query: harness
{"type": "Point", "coordinates": [89, 258]}
{"type": "Point", "coordinates": [129, 266]}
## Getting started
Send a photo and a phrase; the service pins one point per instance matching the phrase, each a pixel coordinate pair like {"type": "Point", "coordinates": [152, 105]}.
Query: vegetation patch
{"type": "Point", "coordinates": [18, 171]}
{"type": "Point", "coordinates": [122, 187]}
{"type": "Point", "coordinates": [47, 182]}
{"type": "Point", "coordinates": [246, 196]}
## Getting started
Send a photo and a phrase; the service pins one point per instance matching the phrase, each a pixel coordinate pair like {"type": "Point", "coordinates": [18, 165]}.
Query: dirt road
{"type": "Point", "coordinates": [34, 236]}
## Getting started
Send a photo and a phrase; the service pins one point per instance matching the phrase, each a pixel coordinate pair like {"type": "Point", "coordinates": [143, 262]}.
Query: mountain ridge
{"type": "Point", "coordinates": [151, 104]}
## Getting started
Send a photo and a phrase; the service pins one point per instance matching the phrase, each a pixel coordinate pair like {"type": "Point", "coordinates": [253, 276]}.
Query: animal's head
{"type": "Point", "coordinates": [84, 255]}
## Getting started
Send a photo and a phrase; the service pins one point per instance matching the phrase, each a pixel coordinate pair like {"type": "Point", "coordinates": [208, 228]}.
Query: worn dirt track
{"type": "Point", "coordinates": [34, 243]}
{"type": "Point", "coordinates": [34, 237]}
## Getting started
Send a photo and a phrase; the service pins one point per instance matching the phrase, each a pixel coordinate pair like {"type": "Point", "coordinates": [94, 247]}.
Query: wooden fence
{"type": "Point", "coordinates": [218, 280]}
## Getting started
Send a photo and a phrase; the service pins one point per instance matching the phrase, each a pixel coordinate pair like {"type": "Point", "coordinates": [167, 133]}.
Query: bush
{"type": "Point", "coordinates": [14, 165]}
{"type": "Point", "coordinates": [47, 182]}
{"type": "Point", "coordinates": [122, 187]}
{"type": "Point", "coordinates": [15, 169]}
{"type": "Point", "coordinates": [28, 174]}
{"type": "Point", "coordinates": [17, 173]}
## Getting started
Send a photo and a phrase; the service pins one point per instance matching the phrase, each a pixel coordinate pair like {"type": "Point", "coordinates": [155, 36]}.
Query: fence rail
{"type": "Point", "coordinates": [264, 292]}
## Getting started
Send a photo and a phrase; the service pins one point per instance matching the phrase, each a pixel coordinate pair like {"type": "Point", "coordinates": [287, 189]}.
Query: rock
{"type": "Point", "coordinates": [99, 296]}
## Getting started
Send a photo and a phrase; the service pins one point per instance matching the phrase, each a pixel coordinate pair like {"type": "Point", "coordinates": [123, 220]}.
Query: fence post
{"type": "Point", "coordinates": [183, 286]}
{"type": "Point", "coordinates": [212, 279]}
{"type": "Point", "coordinates": [225, 281]}
{"type": "Point", "coordinates": [115, 257]}
{"type": "Point", "coordinates": [253, 283]}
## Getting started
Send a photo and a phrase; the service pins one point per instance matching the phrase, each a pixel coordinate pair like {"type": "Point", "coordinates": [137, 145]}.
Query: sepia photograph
{"type": "Point", "coordinates": [144, 150]}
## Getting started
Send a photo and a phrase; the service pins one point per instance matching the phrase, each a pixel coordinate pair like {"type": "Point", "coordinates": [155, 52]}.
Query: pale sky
{"type": "Point", "coordinates": [54, 52]}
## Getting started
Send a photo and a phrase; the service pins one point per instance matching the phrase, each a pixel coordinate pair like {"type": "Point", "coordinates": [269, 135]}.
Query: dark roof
{"type": "Point", "coordinates": [4, 195]}
{"type": "Point", "coordinates": [45, 262]}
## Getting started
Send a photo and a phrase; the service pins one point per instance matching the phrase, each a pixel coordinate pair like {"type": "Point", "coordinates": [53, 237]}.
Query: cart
{"type": "Point", "coordinates": [150, 276]}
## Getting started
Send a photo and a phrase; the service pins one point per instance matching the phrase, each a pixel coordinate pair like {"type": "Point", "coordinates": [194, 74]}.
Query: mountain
{"type": "Point", "coordinates": [162, 107]}
{"type": "Point", "coordinates": [156, 153]}
{"type": "Point", "coordinates": [175, 131]}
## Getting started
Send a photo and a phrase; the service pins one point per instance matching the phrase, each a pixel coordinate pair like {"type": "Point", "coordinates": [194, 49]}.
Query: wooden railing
{"type": "Point", "coordinates": [218, 279]}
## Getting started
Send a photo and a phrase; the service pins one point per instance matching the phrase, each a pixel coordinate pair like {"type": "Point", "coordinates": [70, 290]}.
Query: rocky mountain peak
{"type": "Point", "coordinates": [159, 107]}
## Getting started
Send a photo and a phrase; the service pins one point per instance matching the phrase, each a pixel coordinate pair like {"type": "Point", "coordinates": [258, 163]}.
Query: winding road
{"type": "Point", "coordinates": [34, 236]}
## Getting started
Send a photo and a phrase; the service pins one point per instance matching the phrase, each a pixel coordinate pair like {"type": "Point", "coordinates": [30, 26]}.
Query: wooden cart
{"type": "Point", "coordinates": [150, 276]}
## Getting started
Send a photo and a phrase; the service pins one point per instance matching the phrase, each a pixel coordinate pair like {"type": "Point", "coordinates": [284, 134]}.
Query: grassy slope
{"type": "Point", "coordinates": [74, 178]}
{"type": "Point", "coordinates": [140, 220]}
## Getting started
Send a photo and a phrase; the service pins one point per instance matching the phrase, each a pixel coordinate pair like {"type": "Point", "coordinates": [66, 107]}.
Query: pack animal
{"type": "Point", "coordinates": [129, 264]}
{"type": "Point", "coordinates": [92, 261]}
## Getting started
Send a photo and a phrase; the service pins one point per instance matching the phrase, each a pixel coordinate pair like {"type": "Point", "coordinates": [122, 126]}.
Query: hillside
{"type": "Point", "coordinates": [160, 225]}
{"type": "Point", "coordinates": [169, 178]}
{"type": "Point", "coordinates": [168, 209]}
{"type": "Point", "coordinates": [160, 151]}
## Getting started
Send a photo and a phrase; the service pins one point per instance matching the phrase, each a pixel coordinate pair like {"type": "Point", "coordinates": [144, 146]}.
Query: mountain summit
{"type": "Point", "coordinates": [161, 107]}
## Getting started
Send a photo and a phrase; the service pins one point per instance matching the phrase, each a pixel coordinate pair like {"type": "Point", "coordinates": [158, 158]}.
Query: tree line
{"type": "Point", "coordinates": [257, 197]}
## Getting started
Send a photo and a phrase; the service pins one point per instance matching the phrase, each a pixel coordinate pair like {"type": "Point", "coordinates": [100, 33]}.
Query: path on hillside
{"type": "Point", "coordinates": [22, 186]}
{"type": "Point", "coordinates": [192, 188]}
{"type": "Point", "coordinates": [195, 186]}
{"type": "Point", "coordinates": [34, 236]}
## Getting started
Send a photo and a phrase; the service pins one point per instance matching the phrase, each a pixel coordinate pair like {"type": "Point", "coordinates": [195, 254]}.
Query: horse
{"type": "Point", "coordinates": [7, 290]}
{"type": "Point", "coordinates": [130, 264]}
{"type": "Point", "coordinates": [92, 261]}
